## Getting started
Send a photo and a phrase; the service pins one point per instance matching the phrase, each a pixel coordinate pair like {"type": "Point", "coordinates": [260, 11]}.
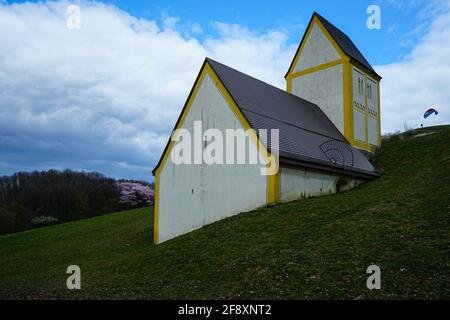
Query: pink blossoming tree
{"type": "Point", "coordinates": [134, 193]}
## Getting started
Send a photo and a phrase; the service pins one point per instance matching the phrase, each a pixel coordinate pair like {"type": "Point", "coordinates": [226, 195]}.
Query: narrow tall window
{"type": "Point", "coordinates": [361, 87]}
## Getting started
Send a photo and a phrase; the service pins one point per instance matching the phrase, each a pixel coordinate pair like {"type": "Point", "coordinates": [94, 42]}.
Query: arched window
{"type": "Point", "coordinates": [342, 185]}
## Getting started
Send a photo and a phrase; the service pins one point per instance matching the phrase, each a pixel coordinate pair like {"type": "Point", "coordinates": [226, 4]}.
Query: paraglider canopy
{"type": "Point", "coordinates": [429, 112]}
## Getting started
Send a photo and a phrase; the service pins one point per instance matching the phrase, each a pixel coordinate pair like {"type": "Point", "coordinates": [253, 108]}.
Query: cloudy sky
{"type": "Point", "coordinates": [105, 96]}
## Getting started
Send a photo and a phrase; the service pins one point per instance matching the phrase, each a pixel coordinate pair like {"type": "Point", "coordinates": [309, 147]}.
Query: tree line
{"type": "Point", "coordinates": [32, 199]}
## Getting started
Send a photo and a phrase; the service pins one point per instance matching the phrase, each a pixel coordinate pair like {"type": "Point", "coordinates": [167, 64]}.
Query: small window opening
{"type": "Point", "coordinates": [342, 185]}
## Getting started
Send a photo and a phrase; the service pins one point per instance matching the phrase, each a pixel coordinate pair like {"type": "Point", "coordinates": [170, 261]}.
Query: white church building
{"type": "Point", "coordinates": [328, 121]}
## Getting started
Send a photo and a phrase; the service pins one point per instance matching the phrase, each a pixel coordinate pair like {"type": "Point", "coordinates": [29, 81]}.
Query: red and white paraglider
{"type": "Point", "coordinates": [429, 112]}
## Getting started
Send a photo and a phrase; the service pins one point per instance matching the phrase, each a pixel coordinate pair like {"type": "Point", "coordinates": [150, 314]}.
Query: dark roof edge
{"type": "Point", "coordinates": [299, 45]}
{"type": "Point", "coordinates": [328, 24]}
{"type": "Point", "coordinates": [306, 164]}
{"type": "Point", "coordinates": [179, 116]}
{"type": "Point", "coordinates": [368, 71]}
{"type": "Point", "coordinates": [206, 61]}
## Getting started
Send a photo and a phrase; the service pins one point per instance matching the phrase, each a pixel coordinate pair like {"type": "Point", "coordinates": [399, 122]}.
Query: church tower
{"type": "Point", "coordinates": [330, 71]}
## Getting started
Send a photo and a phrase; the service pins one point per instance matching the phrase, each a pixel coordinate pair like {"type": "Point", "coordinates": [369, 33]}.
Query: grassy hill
{"type": "Point", "coordinates": [314, 248]}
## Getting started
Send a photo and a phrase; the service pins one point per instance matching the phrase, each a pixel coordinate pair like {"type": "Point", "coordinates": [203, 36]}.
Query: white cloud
{"type": "Point", "coordinates": [264, 56]}
{"type": "Point", "coordinates": [419, 81]}
{"type": "Point", "coordinates": [106, 97]}
{"type": "Point", "coordinates": [111, 91]}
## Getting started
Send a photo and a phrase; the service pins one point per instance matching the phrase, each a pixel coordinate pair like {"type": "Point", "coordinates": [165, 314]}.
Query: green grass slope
{"type": "Point", "coordinates": [314, 248]}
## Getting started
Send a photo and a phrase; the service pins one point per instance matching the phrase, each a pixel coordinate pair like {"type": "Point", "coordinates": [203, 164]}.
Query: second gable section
{"type": "Point", "coordinates": [316, 50]}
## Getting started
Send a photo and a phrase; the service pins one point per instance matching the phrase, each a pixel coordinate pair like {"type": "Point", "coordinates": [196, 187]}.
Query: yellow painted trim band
{"type": "Point", "coordinates": [289, 85]}
{"type": "Point", "coordinates": [237, 112]}
{"type": "Point", "coordinates": [348, 102]}
{"type": "Point", "coordinates": [155, 209]}
{"type": "Point", "coordinates": [316, 68]}
{"type": "Point", "coordinates": [330, 38]}
{"type": "Point", "coordinates": [364, 146]}
{"type": "Point", "coordinates": [273, 188]}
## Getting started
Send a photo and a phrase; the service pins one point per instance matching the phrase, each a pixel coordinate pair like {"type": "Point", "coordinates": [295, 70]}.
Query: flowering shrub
{"type": "Point", "coordinates": [43, 220]}
{"type": "Point", "coordinates": [134, 193]}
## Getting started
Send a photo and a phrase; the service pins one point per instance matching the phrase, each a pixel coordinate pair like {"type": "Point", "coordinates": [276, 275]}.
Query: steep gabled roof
{"type": "Point", "coordinates": [307, 137]}
{"type": "Point", "coordinates": [344, 42]}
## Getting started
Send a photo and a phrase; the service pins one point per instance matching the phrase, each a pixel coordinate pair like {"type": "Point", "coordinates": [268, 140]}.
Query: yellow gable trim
{"type": "Point", "coordinates": [330, 38]}
{"type": "Point", "coordinates": [272, 189]}
{"type": "Point", "coordinates": [316, 68]}
{"type": "Point", "coordinates": [320, 67]}
{"type": "Point", "coordinates": [273, 192]}
{"type": "Point", "coordinates": [304, 40]}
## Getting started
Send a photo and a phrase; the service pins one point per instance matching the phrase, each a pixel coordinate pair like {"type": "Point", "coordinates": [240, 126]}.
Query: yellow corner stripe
{"type": "Point", "coordinates": [348, 104]}
{"type": "Point", "coordinates": [273, 188]}
{"type": "Point", "coordinates": [155, 209]}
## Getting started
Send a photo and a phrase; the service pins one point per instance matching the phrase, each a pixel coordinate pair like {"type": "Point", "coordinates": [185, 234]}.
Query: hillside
{"type": "Point", "coordinates": [40, 198]}
{"type": "Point", "coordinates": [314, 248]}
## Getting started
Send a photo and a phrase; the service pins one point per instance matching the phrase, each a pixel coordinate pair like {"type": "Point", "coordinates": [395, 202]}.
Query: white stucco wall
{"type": "Point", "coordinates": [191, 196]}
{"type": "Point", "coordinates": [372, 130]}
{"type": "Point", "coordinates": [372, 99]}
{"type": "Point", "coordinates": [317, 50]}
{"type": "Point", "coordinates": [324, 88]}
{"type": "Point", "coordinates": [298, 183]}
{"type": "Point", "coordinates": [359, 125]}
